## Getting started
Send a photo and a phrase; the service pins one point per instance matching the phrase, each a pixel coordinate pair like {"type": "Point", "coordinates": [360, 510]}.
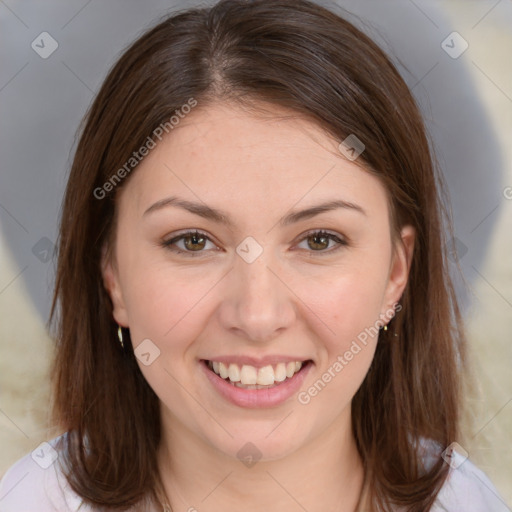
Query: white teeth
{"type": "Point", "coordinates": [248, 375]}
{"type": "Point", "coordinates": [265, 376]}
{"type": "Point", "coordinates": [234, 373]}
{"type": "Point", "coordinates": [253, 377]}
{"type": "Point", "coordinates": [290, 369]}
{"type": "Point", "coordinates": [223, 371]}
{"type": "Point", "coordinates": [280, 372]}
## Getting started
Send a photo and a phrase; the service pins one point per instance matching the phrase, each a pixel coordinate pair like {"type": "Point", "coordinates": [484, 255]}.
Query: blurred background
{"type": "Point", "coordinates": [455, 56]}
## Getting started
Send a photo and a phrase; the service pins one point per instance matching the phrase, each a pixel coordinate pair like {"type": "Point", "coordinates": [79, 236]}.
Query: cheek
{"type": "Point", "coordinates": [348, 304]}
{"type": "Point", "coordinates": [350, 309]}
{"type": "Point", "coordinates": [165, 304]}
{"type": "Point", "coordinates": [170, 309]}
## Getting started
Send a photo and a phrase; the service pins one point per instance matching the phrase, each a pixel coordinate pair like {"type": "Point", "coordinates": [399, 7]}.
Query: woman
{"type": "Point", "coordinates": [254, 305]}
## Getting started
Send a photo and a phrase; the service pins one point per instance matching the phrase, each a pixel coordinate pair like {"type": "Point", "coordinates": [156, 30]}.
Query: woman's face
{"type": "Point", "coordinates": [258, 288]}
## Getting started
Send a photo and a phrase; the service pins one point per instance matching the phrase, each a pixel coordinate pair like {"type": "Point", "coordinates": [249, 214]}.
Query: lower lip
{"type": "Point", "coordinates": [257, 398]}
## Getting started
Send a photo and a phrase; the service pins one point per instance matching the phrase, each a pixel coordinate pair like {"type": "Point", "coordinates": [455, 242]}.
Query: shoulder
{"type": "Point", "coordinates": [36, 483]}
{"type": "Point", "coordinates": [467, 487]}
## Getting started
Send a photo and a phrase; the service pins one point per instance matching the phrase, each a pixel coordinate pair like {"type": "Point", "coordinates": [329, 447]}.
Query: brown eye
{"type": "Point", "coordinates": [190, 243]}
{"type": "Point", "coordinates": [194, 242]}
{"type": "Point", "coordinates": [319, 241]}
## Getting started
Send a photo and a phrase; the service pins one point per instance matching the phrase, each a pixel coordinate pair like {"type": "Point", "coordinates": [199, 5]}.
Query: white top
{"type": "Point", "coordinates": [35, 483]}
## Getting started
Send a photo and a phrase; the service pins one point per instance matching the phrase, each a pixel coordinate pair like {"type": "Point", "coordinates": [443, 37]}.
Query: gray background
{"type": "Point", "coordinates": [467, 103]}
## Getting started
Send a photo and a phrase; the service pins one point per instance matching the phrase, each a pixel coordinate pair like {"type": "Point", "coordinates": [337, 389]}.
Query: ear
{"type": "Point", "coordinates": [400, 267]}
{"type": "Point", "coordinates": [112, 284]}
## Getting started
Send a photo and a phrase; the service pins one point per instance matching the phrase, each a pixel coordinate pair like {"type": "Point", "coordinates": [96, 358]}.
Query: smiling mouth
{"type": "Point", "coordinates": [250, 377]}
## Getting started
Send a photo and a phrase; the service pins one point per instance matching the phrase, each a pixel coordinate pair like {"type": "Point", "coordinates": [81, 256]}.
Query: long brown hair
{"type": "Point", "coordinates": [302, 56]}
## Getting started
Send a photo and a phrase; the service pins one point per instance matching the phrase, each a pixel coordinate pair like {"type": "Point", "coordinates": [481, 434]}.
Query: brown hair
{"type": "Point", "coordinates": [301, 56]}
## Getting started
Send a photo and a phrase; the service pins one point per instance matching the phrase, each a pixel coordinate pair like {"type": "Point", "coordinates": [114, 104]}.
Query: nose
{"type": "Point", "coordinates": [257, 305]}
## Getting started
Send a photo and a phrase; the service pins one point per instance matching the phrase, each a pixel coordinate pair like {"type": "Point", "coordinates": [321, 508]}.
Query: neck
{"type": "Point", "coordinates": [326, 474]}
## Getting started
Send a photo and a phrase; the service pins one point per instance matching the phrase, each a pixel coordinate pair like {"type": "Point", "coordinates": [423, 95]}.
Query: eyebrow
{"type": "Point", "coordinates": [221, 217]}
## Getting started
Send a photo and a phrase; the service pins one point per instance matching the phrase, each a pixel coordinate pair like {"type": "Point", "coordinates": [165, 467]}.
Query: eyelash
{"type": "Point", "coordinates": [331, 236]}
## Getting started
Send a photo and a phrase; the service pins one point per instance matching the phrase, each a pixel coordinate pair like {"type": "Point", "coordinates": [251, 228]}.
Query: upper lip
{"type": "Point", "coordinates": [257, 362]}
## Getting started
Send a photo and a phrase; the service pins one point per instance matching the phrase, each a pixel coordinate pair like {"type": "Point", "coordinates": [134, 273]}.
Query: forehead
{"type": "Point", "coordinates": [232, 132]}
{"type": "Point", "coordinates": [223, 154]}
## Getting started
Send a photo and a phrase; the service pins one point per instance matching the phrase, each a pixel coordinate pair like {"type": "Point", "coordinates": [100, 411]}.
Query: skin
{"type": "Point", "coordinates": [294, 299]}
